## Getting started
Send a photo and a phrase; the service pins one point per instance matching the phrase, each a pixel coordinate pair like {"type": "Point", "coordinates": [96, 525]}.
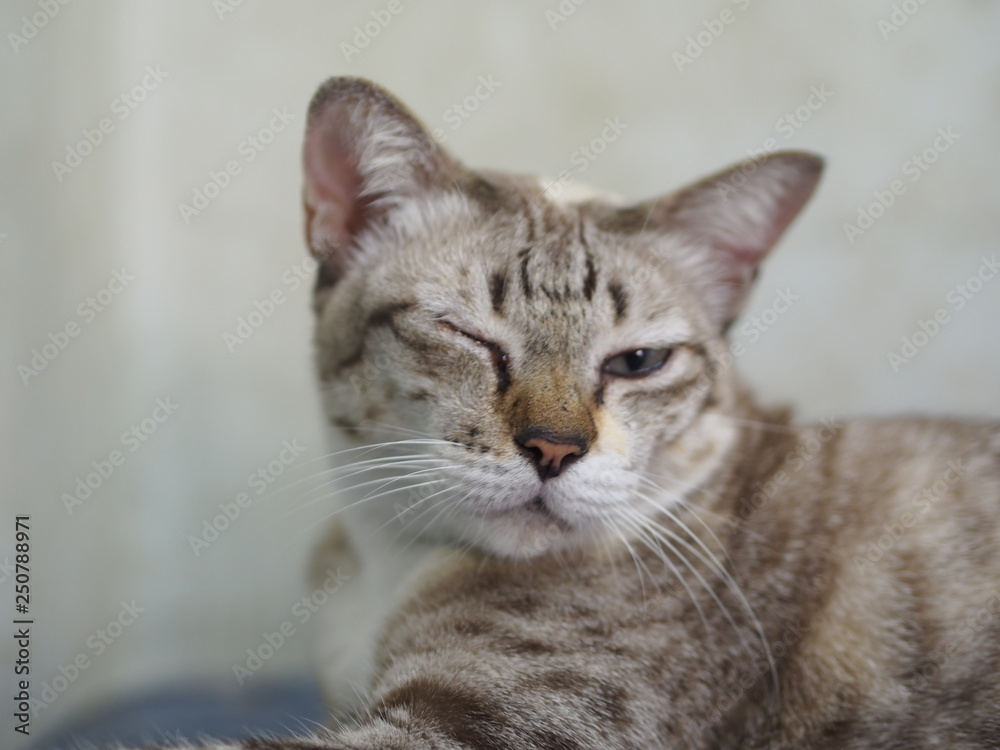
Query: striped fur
{"type": "Point", "coordinates": [701, 573]}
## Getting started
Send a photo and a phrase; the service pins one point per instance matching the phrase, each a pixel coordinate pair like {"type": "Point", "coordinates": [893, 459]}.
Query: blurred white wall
{"type": "Point", "coordinates": [212, 78]}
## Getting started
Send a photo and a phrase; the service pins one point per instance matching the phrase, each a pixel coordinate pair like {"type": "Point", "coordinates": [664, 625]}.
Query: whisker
{"type": "Point", "coordinates": [367, 447]}
{"type": "Point", "coordinates": [716, 567]}
{"type": "Point", "coordinates": [636, 523]}
{"type": "Point", "coordinates": [664, 509]}
{"type": "Point", "coordinates": [368, 465]}
{"type": "Point", "coordinates": [639, 564]}
{"type": "Point", "coordinates": [339, 480]}
{"type": "Point", "coordinates": [697, 510]}
{"type": "Point", "coordinates": [400, 516]}
{"type": "Point", "coordinates": [368, 497]}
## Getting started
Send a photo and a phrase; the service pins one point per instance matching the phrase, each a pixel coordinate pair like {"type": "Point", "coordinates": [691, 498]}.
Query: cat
{"type": "Point", "coordinates": [563, 520]}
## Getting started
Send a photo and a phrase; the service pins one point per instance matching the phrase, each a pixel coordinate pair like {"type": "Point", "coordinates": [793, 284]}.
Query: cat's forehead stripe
{"type": "Point", "coordinates": [590, 280]}
{"type": "Point", "coordinates": [525, 256]}
{"type": "Point", "coordinates": [498, 290]}
{"type": "Point", "coordinates": [620, 299]}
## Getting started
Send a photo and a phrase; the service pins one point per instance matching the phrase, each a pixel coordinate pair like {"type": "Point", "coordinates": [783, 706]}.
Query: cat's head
{"type": "Point", "coordinates": [551, 366]}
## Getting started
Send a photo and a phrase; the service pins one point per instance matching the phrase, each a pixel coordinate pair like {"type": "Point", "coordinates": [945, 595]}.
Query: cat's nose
{"type": "Point", "coordinates": [551, 453]}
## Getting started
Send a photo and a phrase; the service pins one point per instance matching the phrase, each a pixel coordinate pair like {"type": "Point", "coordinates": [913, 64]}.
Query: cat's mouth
{"type": "Point", "coordinates": [534, 511]}
{"type": "Point", "coordinates": [539, 506]}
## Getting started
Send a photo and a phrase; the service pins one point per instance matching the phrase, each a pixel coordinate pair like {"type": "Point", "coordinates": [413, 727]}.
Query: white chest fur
{"type": "Point", "coordinates": [380, 573]}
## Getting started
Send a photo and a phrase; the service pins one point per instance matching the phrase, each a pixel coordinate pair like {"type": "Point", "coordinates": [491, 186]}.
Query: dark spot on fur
{"type": "Point", "coordinates": [529, 647]}
{"type": "Point", "coordinates": [419, 396]}
{"type": "Point", "coordinates": [619, 298]}
{"type": "Point", "coordinates": [599, 632]}
{"type": "Point", "coordinates": [607, 702]}
{"type": "Point", "coordinates": [465, 717]}
{"type": "Point", "coordinates": [565, 680]}
{"type": "Point", "coordinates": [612, 703]}
{"type": "Point", "coordinates": [349, 361]}
{"type": "Point", "coordinates": [590, 280]}
{"type": "Point", "coordinates": [501, 362]}
{"type": "Point", "coordinates": [665, 730]}
{"type": "Point", "coordinates": [548, 739]}
{"type": "Point", "coordinates": [385, 314]}
{"type": "Point", "coordinates": [346, 425]}
{"type": "Point", "coordinates": [498, 290]}
{"type": "Point", "coordinates": [839, 732]}
{"type": "Point", "coordinates": [524, 257]}
{"type": "Point", "coordinates": [492, 198]}
{"type": "Point", "coordinates": [524, 603]}
{"type": "Point", "coordinates": [555, 294]}
{"type": "Point", "coordinates": [472, 627]}
{"type": "Point", "coordinates": [325, 277]}
{"type": "Point", "coordinates": [529, 217]}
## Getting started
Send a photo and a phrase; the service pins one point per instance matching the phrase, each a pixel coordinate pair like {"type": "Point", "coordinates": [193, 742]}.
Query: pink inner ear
{"type": "Point", "coordinates": [332, 189]}
{"type": "Point", "coordinates": [761, 232]}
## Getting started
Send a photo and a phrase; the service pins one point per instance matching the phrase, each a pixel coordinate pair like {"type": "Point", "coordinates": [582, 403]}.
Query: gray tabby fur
{"type": "Point", "coordinates": [703, 573]}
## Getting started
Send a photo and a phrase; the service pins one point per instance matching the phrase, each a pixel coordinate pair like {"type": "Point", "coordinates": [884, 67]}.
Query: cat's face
{"type": "Point", "coordinates": [551, 366]}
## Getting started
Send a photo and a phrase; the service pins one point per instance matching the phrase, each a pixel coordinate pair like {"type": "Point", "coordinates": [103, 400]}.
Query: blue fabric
{"type": "Point", "coordinates": [193, 712]}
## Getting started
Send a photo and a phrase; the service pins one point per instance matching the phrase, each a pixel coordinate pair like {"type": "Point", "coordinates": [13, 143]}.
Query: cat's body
{"type": "Point", "coordinates": [580, 531]}
{"type": "Point", "coordinates": [882, 625]}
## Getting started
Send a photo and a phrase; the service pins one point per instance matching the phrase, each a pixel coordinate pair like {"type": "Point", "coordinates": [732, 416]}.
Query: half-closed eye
{"type": "Point", "coordinates": [636, 363]}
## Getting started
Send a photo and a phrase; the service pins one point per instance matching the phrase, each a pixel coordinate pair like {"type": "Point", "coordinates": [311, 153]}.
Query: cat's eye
{"type": "Point", "coordinates": [501, 361]}
{"type": "Point", "coordinates": [637, 362]}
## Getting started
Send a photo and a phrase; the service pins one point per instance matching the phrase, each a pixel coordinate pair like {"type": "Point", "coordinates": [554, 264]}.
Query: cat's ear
{"type": "Point", "coordinates": [736, 217]}
{"type": "Point", "coordinates": [365, 155]}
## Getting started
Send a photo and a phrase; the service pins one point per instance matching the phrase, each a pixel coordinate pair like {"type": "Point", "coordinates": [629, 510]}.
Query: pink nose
{"type": "Point", "coordinates": [551, 453]}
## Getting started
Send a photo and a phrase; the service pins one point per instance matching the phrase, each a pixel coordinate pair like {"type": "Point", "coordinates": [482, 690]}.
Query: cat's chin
{"type": "Point", "coordinates": [529, 529]}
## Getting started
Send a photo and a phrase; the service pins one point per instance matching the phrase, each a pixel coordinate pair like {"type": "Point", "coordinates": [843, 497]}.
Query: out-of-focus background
{"type": "Point", "coordinates": [150, 203]}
